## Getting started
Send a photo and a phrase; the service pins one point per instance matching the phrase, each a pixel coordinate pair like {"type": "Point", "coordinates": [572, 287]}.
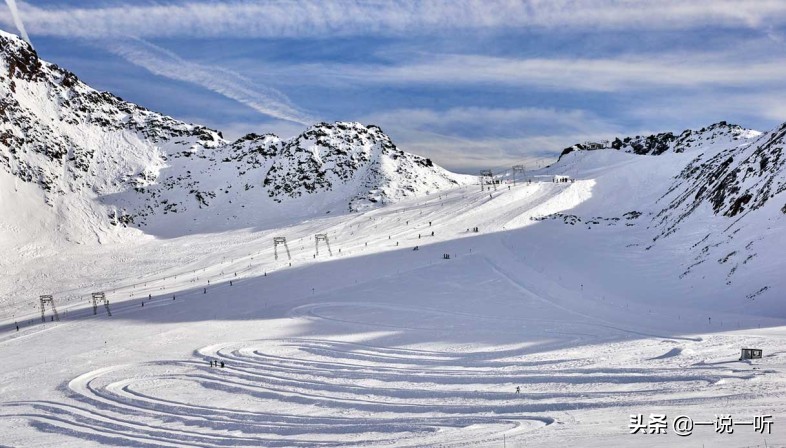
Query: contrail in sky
{"type": "Point", "coordinates": [162, 62]}
{"type": "Point", "coordinates": [18, 20]}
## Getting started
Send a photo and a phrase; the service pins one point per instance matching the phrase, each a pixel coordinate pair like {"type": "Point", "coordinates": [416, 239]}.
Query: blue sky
{"type": "Point", "coordinates": [469, 83]}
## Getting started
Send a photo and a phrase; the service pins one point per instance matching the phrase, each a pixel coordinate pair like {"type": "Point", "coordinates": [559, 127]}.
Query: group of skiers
{"type": "Point", "coordinates": [215, 363]}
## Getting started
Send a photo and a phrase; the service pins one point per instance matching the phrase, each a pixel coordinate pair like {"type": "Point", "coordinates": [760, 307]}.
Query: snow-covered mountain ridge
{"type": "Point", "coordinates": [93, 153]}
{"type": "Point", "coordinates": [656, 144]}
{"type": "Point", "coordinates": [734, 180]}
{"type": "Point", "coordinates": [733, 169]}
{"type": "Point", "coordinates": [710, 200]}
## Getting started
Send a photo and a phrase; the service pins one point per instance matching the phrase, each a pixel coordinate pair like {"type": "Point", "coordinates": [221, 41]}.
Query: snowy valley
{"type": "Point", "coordinates": [444, 312]}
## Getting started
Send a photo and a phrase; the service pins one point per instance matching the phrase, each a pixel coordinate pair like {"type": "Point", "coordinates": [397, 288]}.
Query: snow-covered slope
{"type": "Point", "coordinates": [378, 344]}
{"type": "Point", "coordinates": [713, 202]}
{"type": "Point", "coordinates": [103, 162]}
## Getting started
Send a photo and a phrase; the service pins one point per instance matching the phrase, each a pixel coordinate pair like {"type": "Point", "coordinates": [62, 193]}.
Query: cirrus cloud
{"type": "Point", "coordinates": [160, 61]}
{"type": "Point", "coordinates": [316, 18]}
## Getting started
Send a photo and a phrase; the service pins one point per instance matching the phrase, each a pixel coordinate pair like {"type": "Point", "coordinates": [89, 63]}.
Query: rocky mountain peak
{"type": "Point", "coordinates": [668, 142]}
{"type": "Point", "coordinates": [92, 151]}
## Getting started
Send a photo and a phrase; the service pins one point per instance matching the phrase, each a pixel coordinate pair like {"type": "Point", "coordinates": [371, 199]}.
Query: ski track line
{"type": "Point", "coordinates": [603, 323]}
{"type": "Point", "coordinates": [325, 388]}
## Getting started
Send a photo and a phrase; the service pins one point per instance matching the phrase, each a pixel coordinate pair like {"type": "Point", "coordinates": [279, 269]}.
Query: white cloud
{"type": "Point", "coordinates": [471, 154]}
{"type": "Point", "coordinates": [159, 61]}
{"type": "Point", "coordinates": [496, 121]}
{"type": "Point", "coordinates": [315, 18]}
{"type": "Point", "coordinates": [468, 138]}
{"type": "Point", "coordinates": [599, 75]}
{"type": "Point", "coordinates": [703, 108]}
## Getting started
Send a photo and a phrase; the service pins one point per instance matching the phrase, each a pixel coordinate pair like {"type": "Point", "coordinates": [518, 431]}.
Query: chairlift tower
{"type": "Point", "coordinates": [100, 297]}
{"type": "Point", "coordinates": [48, 299]}
{"type": "Point", "coordinates": [322, 237]}
{"type": "Point", "coordinates": [517, 169]}
{"type": "Point", "coordinates": [487, 174]}
{"type": "Point", "coordinates": [277, 241]}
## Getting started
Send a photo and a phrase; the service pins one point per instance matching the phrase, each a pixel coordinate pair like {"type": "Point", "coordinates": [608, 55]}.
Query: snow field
{"type": "Point", "coordinates": [381, 345]}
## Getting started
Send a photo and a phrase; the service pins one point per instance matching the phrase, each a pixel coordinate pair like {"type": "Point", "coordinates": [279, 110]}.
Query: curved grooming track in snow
{"type": "Point", "coordinates": [322, 392]}
{"type": "Point", "coordinates": [286, 393]}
